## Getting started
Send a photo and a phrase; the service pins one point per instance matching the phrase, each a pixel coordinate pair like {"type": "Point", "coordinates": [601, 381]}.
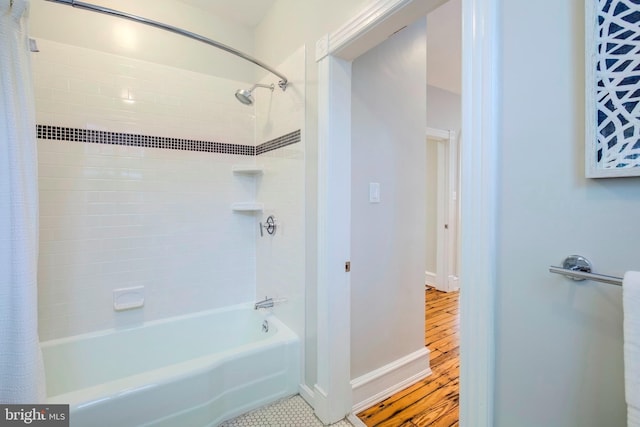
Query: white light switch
{"type": "Point", "coordinates": [374, 192]}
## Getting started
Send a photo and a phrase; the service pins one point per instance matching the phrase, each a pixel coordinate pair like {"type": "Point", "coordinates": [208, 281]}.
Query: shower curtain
{"type": "Point", "coordinates": [21, 368]}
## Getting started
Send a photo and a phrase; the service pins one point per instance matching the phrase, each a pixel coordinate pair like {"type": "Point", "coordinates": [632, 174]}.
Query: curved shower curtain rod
{"type": "Point", "coordinates": [87, 6]}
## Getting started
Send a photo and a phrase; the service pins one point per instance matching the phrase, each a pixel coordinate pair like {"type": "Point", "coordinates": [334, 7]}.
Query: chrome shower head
{"type": "Point", "coordinates": [246, 95]}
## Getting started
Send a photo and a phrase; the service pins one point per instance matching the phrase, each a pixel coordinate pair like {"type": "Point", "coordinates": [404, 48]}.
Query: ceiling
{"type": "Point", "coordinates": [245, 12]}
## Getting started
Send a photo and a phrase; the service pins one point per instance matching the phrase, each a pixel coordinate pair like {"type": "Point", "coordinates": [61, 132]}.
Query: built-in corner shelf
{"type": "Point", "coordinates": [251, 170]}
{"type": "Point", "coordinates": [247, 207]}
{"type": "Point", "coordinates": [247, 169]}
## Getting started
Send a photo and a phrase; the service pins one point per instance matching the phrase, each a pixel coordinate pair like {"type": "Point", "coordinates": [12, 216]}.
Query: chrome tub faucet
{"type": "Point", "coordinates": [265, 303]}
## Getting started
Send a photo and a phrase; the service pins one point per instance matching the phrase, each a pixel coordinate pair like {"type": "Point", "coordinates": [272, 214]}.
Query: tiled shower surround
{"type": "Point", "coordinates": [137, 189]}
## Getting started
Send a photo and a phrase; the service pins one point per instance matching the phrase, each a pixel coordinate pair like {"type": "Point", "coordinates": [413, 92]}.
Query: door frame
{"type": "Point", "coordinates": [334, 53]}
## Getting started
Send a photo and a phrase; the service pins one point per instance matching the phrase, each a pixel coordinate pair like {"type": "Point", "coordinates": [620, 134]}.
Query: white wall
{"type": "Point", "coordinates": [444, 109]}
{"type": "Point", "coordinates": [117, 216]}
{"type": "Point", "coordinates": [559, 343]}
{"type": "Point", "coordinates": [388, 239]}
{"type": "Point", "coordinates": [444, 47]}
{"type": "Point", "coordinates": [280, 260]}
{"type": "Point", "coordinates": [289, 24]}
{"type": "Point", "coordinates": [86, 88]}
{"type": "Point", "coordinates": [91, 30]}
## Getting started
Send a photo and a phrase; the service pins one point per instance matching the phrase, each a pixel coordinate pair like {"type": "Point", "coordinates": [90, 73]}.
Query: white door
{"type": "Point", "coordinates": [442, 210]}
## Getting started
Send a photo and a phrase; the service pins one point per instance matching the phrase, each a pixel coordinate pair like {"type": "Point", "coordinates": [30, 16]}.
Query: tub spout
{"type": "Point", "coordinates": [265, 303]}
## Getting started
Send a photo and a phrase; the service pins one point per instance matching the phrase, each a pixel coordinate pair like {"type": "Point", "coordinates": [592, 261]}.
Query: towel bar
{"type": "Point", "coordinates": [576, 267]}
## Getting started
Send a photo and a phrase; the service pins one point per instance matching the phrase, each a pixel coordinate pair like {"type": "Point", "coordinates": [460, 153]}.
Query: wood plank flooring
{"type": "Point", "coordinates": [434, 400]}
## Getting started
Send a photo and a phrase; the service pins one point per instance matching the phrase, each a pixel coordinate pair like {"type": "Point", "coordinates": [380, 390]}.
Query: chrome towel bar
{"type": "Point", "coordinates": [576, 267]}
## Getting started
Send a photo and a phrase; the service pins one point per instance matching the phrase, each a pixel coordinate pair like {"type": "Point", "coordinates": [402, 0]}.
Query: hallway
{"type": "Point", "coordinates": [434, 400]}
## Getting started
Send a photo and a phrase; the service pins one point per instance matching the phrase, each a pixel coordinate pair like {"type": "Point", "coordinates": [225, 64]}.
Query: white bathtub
{"type": "Point", "coordinates": [195, 370]}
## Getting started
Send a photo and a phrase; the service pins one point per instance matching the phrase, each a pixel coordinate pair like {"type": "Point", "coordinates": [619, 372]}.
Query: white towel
{"type": "Point", "coordinates": [631, 308]}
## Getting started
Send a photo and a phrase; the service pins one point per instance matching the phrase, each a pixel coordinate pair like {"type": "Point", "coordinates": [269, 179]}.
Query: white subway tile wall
{"type": "Point", "coordinates": [83, 88]}
{"type": "Point", "coordinates": [281, 257]}
{"type": "Point", "coordinates": [114, 216]}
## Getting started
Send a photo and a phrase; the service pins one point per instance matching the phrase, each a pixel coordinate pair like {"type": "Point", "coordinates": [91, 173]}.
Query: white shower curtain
{"type": "Point", "coordinates": [21, 368]}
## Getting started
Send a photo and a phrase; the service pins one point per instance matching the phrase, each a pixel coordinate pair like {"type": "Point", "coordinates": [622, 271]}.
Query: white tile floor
{"type": "Point", "coordinates": [291, 412]}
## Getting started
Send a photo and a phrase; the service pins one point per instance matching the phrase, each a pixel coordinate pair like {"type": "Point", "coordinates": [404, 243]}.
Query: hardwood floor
{"type": "Point", "coordinates": [434, 400]}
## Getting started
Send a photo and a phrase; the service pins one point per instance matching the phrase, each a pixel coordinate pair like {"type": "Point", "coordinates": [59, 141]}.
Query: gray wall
{"type": "Point", "coordinates": [388, 239]}
{"type": "Point", "coordinates": [559, 355]}
{"type": "Point", "coordinates": [444, 109]}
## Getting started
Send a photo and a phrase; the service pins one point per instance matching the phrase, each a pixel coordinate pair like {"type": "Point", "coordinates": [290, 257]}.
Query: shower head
{"type": "Point", "coordinates": [246, 95]}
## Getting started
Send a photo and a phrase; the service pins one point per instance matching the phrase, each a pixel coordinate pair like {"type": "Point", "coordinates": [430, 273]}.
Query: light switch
{"type": "Point", "coordinates": [374, 192]}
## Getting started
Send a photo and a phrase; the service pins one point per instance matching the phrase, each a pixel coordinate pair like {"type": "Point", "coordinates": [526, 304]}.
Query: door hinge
{"type": "Point", "coordinates": [347, 266]}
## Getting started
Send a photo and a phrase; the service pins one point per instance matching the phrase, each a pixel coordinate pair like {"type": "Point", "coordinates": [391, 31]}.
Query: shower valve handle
{"type": "Point", "coordinates": [270, 226]}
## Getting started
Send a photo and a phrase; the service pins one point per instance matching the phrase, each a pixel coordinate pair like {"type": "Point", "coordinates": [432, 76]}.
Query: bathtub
{"type": "Point", "coordinates": [194, 370]}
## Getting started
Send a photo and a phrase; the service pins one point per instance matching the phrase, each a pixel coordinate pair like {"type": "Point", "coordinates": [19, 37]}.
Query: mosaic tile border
{"type": "Point", "coordinates": [59, 133]}
{"type": "Point", "coordinates": [282, 141]}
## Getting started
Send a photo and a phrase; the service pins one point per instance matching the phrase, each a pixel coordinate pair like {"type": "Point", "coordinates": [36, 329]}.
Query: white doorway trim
{"type": "Point", "coordinates": [334, 52]}
{"type": "Point", "coordinates": [446, 279]}
{"type": "Point", "coordinates": [332, 391]}
{"type": "Point", "coordinates": [439, 134]}
{"type": "Point", "coordinates": [479, 210]}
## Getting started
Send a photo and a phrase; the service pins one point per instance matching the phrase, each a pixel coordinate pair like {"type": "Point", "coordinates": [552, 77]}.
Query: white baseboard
{"type": "Point", "coordinates": [377, 385]}
{"type": "Point", "coordinates": [355, 421]}
{"type": "Point", "coordinates": [429, 278]}
{"type": "Point", "coordinates": [307, 394]}
{"type": "Point", "coordinates": [453, 283]}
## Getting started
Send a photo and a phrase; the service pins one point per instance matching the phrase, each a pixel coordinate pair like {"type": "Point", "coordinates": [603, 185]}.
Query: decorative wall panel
{"type": "Point", "coordinates": [613, 88]}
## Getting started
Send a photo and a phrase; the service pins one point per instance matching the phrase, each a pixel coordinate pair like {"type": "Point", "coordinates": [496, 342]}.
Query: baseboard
{"type": "Point", "coordinates": [429, 278]}
{"type": "Point", "coordinates": [355, 421]}
{"type": "Point", "coordinates": [453, 283]}
{"type": "Point", "coordinates": [307, 394]}
{"type": "Point", "coordinates": [377, 385]}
